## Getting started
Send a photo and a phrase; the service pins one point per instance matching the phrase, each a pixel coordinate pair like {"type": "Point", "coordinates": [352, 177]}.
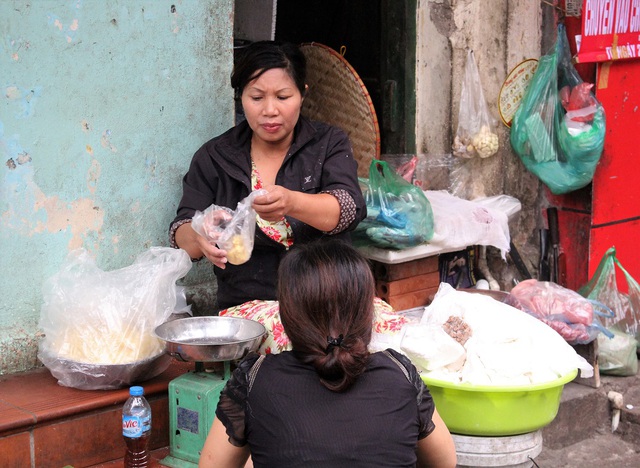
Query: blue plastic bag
{"type": "Point", "coordinates": [399, 214]}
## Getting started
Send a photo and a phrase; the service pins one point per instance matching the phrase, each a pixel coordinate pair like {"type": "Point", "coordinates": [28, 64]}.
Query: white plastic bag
{"type": "Point", "coordinates": [617, 355]}
{"type": "Point", "coordinates": [507, 346]}
{"type": "Point", "coordinates": [231, 230]}
{"type": "Point", "coordinates": [460, 223]}
{"type": "Point", "coordinates": [98, 325]}
{"type": "Point", "coordinates": [442, 351]}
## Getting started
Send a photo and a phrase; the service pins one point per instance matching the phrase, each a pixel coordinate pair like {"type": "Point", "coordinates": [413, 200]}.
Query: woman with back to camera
{"type": "Point", "coordinates": [307, 168]}
{"type": "Point", "coordinates": [328, 402]}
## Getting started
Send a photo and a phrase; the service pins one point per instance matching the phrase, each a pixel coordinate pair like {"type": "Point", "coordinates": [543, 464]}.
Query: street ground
{"type": "Point", "coordinates": [604, 450]}
{"type": "Point", "coordinates": [581, 436]}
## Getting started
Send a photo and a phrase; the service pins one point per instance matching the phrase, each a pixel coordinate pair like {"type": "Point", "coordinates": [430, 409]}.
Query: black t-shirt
{"type": "Point", "coordinates": [289, 419]}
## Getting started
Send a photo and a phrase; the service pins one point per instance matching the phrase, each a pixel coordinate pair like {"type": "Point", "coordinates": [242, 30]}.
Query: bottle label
{"type": "Point", "coordinates": [134, 426]}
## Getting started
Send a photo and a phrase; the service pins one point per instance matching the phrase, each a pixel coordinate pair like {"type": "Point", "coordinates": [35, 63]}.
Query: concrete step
{"type": "Point", "coordinates": [581, 434]}
{"type": "Point", "coordinates": [586, 412]}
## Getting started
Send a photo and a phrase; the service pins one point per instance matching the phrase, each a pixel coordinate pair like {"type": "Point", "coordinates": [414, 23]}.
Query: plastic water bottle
{"type": "Point", "coordinates": [136, 429]}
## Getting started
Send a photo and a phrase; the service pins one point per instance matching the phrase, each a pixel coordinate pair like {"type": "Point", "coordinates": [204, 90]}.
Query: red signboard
{"type": "Point", "coordinates": [610, 30]}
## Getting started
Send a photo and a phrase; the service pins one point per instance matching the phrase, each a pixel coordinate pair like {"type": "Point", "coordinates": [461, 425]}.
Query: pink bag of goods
{"type": "Point", "coordinates": [574, 317]}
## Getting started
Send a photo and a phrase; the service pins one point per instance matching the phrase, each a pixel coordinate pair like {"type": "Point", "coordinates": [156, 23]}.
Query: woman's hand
{"type": "Point", "coordinates": [320, 210]}
{"type": "Point", "coordinates": [275, 204]}
{"type": "Point", "coordinates": [197, 246]}
{"type": "Point", "coordinates": [215, 255]}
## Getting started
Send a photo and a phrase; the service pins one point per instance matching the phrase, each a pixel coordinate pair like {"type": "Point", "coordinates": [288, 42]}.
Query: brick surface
{"type": "Point", "coordinates": [14, 450]}
{"type": "Point", "coordinates": [13, 420]}
{"type": "Point", "coordinates": [69, 426]}
{"type": "Point", "coordinates": [94, 438]}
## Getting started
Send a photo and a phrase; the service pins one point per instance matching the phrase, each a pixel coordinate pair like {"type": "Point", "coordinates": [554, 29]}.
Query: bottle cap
{"type": "Point", "coordinates": [136, 391]}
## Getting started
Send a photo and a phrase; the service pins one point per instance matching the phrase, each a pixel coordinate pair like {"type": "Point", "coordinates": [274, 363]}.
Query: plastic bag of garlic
{"type": "Point", "coordinates": [476, 133]}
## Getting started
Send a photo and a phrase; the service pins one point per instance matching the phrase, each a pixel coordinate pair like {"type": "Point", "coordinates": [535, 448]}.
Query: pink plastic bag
{"type": "Point", "coordinates": [564, 310]}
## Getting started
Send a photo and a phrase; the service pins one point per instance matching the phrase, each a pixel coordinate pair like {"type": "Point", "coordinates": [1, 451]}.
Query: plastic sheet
{"type": "Point", "coordinates": [505, 346]}
{"type": "Point", "coordinates": [98, 325]}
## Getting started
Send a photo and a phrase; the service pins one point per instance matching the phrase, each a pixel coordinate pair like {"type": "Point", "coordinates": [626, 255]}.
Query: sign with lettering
{"type": "Point", "coordinates": [610, 31]}
{"type": "Point", "coordinates": [513, 89]}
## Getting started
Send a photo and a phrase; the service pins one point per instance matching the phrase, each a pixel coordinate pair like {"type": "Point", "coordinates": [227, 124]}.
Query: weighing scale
{"type": "Point", "coordinates": [193, 397]}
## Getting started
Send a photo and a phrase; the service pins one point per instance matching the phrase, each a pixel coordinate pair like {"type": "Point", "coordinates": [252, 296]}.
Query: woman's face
{"type": "Point", "coordinates": [272, 105]}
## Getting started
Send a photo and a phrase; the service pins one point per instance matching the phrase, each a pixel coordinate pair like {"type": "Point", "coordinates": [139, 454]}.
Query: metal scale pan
{"type": "Point", "coordinates": [194, 395]}
{"type": "Point", "coordinates": [210, 339]}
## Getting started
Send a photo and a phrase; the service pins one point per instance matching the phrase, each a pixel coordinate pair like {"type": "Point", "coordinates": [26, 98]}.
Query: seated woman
{"type": "Point", "coordinates": [328, 402]}
{"type": "Point", "coordinates": [307, 169]}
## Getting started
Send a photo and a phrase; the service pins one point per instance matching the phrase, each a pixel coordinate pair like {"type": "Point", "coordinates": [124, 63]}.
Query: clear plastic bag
{"type": "Point", "coordinates": [476, 133]}
{"type": "Point", "coordinates": [433, 171]}
{"type": "Point", "coordinates": [99, 325]}
{"type": "Point", "coordinates": [617, 356]}
{"type": "Point", "coordinates": [231, 230]}
{"type": "Point", "coordinates": [575, 318]}
{"type": "Point", "coordinates": [559, 128]}
{"type": "Point", "coordinates": [603, 287]}
{"type": "Point", "coordinates": [399, 214]}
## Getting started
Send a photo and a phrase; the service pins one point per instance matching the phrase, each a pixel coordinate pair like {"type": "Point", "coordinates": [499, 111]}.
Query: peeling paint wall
{"type": "Point", "coordinates": [501, 33]}
{"type": "Point", "coordinates": [102, 105]}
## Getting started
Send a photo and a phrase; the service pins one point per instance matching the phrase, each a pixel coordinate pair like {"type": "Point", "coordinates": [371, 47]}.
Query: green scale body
{"type": "Point", "coordinates": [193, 398]}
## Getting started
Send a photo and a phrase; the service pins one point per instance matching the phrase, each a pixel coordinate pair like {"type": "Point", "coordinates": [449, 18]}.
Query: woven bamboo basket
{"type": "Point", "coordinates": [338, 97]}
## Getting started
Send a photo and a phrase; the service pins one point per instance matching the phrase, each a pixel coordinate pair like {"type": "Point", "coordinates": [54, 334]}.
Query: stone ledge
{"type": "Point", "coordinates": [44, 422]}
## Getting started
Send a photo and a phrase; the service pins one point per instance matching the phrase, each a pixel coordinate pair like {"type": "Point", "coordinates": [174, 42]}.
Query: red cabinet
{"type": "Point", "coordinates": [607, 212]}
{"type": "Point", "coordinates": [615, 218]}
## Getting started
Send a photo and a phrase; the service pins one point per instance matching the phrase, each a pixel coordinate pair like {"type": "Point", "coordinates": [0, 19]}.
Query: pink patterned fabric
{"type": "Point", "coordinates": [280, 231]}
{"type": "Point", "coordinates": [385, 320]}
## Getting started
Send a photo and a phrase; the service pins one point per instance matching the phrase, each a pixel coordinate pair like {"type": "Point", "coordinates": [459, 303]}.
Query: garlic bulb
{"type": "Point", "coordinates": [485, 142]}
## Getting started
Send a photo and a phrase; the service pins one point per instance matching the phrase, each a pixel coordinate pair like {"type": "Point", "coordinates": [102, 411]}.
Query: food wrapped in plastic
{"type": "Point", "coordinates": [231, 230]}
{"type": "Point", "coordinates": [559, 128]}
{"type": "Point", "coordinates": [616, 353]}
{"type": "Point", "coordinates": [476, 133]}
{"type": "Point", "coordinates": [564, 310]}
{"type": "Point", "coordinates": [503, 346]}
{"type": "Point", "coordinates": [98, 325]}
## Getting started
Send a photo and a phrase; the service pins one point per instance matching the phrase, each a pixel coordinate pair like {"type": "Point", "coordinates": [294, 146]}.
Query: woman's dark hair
{"type": "Point", "coordinates": [325, 292]}
{"type": "Point", "coordinates": [258, 57]}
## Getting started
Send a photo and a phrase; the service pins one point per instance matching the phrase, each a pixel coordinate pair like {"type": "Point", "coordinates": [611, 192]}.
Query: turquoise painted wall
{"type": "Point", "coordinates": [102, 105]}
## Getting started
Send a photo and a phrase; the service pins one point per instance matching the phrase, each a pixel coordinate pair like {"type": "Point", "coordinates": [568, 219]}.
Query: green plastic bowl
{"type": "Point", "coordinates": [480, 410]}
